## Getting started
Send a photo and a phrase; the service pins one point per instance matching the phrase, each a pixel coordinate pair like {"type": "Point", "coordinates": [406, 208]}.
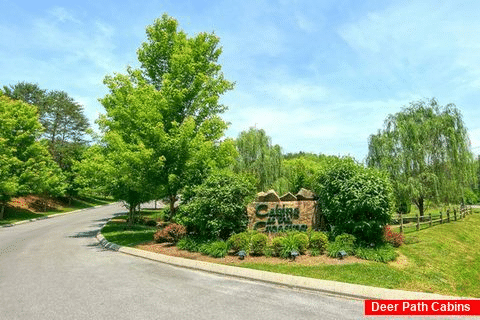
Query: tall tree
{"type": "Point", "coordinates": [174, 98]}
{"type": "Point", "coordinates": [25, 164]}
{"type": "Point", "coordinates": [257, 156]}
{"type": "Point", "coordinates": [426, 150]}
{"type": "Point", "coordinates": [65, 124]}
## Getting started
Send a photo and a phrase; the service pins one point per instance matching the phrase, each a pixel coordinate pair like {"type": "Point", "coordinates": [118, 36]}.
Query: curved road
{"type": "Point", "coordinates": [55, 269]}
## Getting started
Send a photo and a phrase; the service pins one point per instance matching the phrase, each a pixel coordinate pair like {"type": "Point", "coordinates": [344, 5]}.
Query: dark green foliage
{"type": "Point", "coordinates": [218, 208]}
{"type": "Point", "coordinates": [151, 223]}
{"type": "Point", "coordinates": [239, 241]}
{"type": "Point", "coordinates": [171, 233]}
{"type": "Point", "coordinates": [189, 244]}
{"type": "Point", "coordinates": [301, 241]}
{"type": "Point", "coordinates": [383, 253]}
{"type": "Point", "coordinates": [318, 242]}
{"type": "Point", "coordinates": [355, 199]}
{"type": "Point", "coordinates": [344, 242]}
{"type": "Point", "coordinates": [277, 245]}
{"type": "Point", "coordinates": [216, 249]}
{"type": "Point", "coordinates": [258, 244]}
{"type": "Point", "coordinates": [283, 246]}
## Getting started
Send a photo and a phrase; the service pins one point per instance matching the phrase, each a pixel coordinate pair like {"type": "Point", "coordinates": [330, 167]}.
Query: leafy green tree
{"type": "Point", "coordinates": [25, 163]}
{"type": "Point", "coordinates": [354, 199]}
{"type": "Point", "coordinates": [219, 206]}
{"type": "Point", "coordinates": [174, 98]}
{"type": "Point", "coordinates": [299, 170]}
{"type": "Point", "coordinates": [257, 156]}
{"type": "Point", "coordinates": [64, 122]}
{"type": "Point", "coordinates": [426, 150]}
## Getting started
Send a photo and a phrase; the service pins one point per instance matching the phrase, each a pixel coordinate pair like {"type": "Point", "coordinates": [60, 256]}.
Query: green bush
{"type": "Point", "coordinates": [315, 252]}
{"type": "Point", "coordinates": [301, 242]}
{"type": "Point", "coordinates": [188, 244]}
{"type": "Point", "coordinates": [258, 244]}
{"type": "Point", "coordinates": [282, 246]}
{"type": "Point", "coordinates": [277, 245]}
{"type": "Point", "coordinates": [344, 242]}
{"type": "Point", "coordinates": [239, 241]}
{"type": "Point", "coordinates": [383, 253]}
{"type": "Point", "coordinates": [216, 249]}
{"type": "Point", "coordinates": [318, 242]}
{"type": "Point", "coordinates": [355, 200]}
{"type": "Point", "coordinates": [218, 206]}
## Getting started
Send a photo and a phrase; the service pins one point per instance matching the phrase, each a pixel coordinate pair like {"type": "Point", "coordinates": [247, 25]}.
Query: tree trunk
{"type": "Point", "coordinates": [2, 210]}
{"type": "Point", "coordinates": [131, 214]}
{"type": "Point", "coordinates": [173, 199]}
{"type": "Point", "coordinates": [421, 207]}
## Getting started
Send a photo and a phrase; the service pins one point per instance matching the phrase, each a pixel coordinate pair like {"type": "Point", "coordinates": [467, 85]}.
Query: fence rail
{"type": "Point", "coordinates": [417, 222]}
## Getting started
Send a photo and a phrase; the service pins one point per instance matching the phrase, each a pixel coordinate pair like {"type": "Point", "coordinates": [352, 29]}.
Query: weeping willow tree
{"type": "Point", "coordinates": [259, 157]}
{"type": "Point", "coordinates": [426, 150]}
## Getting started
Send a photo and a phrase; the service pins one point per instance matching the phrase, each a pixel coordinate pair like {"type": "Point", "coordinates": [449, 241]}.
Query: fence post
{"type": "Point", "coordinates": [448, 215]}
{"type": "Point", "coordinates": [455, 214]}
{"type": "Point", "coordinates": [441, 217]}
{"type": "Point", "coordinates": [401, 223]}
{"type": "Point", "coordinates": [418, 222]}
{"type": "Point", "coordinates": [430, 218]}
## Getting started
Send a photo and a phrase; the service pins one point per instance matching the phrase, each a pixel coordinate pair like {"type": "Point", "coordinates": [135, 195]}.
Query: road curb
{"type": "Point", "coordinates": [324, 286]}
{"type": "Point", "coordinates": [53, 216]}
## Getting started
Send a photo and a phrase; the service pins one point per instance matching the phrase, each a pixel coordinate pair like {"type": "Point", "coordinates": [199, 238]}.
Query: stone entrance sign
{"type": "Point", "coordinates": [271, 213]}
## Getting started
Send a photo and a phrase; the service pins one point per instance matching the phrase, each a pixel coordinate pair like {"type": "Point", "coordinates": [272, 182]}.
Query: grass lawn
{"type": "Point", "coordinates": [13, 215]}
{"type": "Point", "coordinates": [118, 232]}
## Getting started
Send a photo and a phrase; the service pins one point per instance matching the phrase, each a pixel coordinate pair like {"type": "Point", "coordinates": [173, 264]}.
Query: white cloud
{"type": "Point", "coordinates": [63, 15]}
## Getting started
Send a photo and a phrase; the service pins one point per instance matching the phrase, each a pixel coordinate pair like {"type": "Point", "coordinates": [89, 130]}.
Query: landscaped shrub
{"type": "Point", "coordinates": [218, 206]}
{"type": "Point", "coordinates": [189, 244]}
{"type": "Point", "coordinates": [283, 246]}
{"type": "Point", "coordinates": [318, 242]}
{"type": "Point", "coordinates": [239, 241]}
{"type": "Point", "coordinates": [258, 244]}
{"type": "Point", "coordinates": [301, 242]}
{"type": "Point", "coordinates": [383, 253]}
{"type": "Point", "coordinates": [277, 245]}
{"type": "Point", "coordinates": [355, 200]}
{"type": "Point", "coordinates": [216, 249]}
{"type": "Point", "coordinates": [171, 233]}
{"type": "Point", "coordinates": [396, 239]}
{"type": "Point", "coordinates": [344, 242]}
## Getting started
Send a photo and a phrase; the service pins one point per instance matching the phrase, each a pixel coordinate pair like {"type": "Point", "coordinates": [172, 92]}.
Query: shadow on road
{"type": "Point", "coordinates": [85, 234]}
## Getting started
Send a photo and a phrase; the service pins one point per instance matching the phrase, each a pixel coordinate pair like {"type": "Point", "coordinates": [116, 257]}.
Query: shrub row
{"type": "Point", "coordinates": [257, 244]}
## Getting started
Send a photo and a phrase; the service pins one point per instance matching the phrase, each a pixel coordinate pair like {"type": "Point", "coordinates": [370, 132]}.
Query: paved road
{"type": "Point", "coordinates": [55, 269]}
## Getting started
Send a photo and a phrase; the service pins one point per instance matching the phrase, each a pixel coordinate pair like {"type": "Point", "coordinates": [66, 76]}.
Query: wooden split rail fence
{"type": "Point", "coordinates": [431, 220]}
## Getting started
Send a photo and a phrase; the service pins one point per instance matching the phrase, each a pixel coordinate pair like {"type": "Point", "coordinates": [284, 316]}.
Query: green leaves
{"type": "Point", "coordinates": [218, 207]}
{"type": "Point", "coordinates": [257, 156]}
{"type": "Point", "coordinates": [25, 163]}
{"type": "Point", "coordinates": [426, 150]}
{"type": "Point", "coordinates": [354, 199]}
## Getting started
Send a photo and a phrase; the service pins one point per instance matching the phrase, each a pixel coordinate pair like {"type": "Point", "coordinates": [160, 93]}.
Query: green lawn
{"type": "Point", "coordinates": [12, 215]}
{"type": "Point", "coordinates": [117, 231]}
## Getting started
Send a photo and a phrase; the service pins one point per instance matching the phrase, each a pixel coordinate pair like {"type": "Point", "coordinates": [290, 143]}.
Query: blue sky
{"type": "Point", "coordinates": [317, 76]}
